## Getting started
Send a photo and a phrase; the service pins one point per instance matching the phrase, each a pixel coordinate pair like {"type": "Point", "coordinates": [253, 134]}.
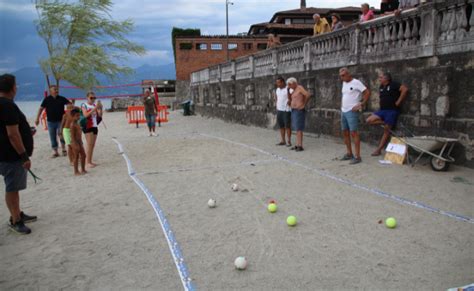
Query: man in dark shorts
{"type": "Point", "coordinates": [54, 105]}
{"type": "Point", "coordinates": [16, 146]}
{"type": "Point", "coordinates": [392, 95]}
{"type": "Point", "coordinates": [283, 112]}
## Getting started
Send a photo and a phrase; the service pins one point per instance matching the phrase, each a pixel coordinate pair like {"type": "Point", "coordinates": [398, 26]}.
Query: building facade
{"type": "Point", "coordinates": [197, 52]}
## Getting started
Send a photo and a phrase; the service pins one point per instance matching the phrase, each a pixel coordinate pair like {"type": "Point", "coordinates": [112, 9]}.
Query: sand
{"type": "Point", "coordinates": [99, 231]}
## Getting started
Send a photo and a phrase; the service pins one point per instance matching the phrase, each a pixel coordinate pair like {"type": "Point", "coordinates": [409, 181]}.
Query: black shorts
{"type": "Point", "coordinates": [93, 130]}
{"type": "Point", "coordinates": [284, 119]}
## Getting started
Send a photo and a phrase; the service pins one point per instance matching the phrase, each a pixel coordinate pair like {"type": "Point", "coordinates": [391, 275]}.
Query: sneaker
{"type": "Point", "coordinates": [355, 161]}
{"type": "Point", "coordinates": [150, 134]}
{"type": "Point", "coordinates": [26, 218]}
{"type": "Point", "coordinates": [346, 157]}
{"type": "Point", "coordinates": [154, 134]}
{"type": "Point", "coordinates": [20, 227]}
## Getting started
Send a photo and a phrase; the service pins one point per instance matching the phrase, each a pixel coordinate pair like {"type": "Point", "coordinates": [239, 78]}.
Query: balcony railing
{"type": "Point", "coordinates": [435, 28]}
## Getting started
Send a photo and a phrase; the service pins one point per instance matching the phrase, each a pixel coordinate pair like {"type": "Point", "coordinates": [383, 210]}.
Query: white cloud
{"type": "Point", "coordinates": [26, 8]}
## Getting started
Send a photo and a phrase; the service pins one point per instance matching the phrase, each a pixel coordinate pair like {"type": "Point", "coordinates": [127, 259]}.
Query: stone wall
{"type": "Point", "coordinates": [430, 49]}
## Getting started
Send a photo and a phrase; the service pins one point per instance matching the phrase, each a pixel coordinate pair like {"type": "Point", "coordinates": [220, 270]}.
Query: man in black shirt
{"type": "Point", "coordinates": [392, 95]}
{"type": "Point", "coordinates": [16, 146]}
{"type": "Point", "coordinates": [54, 105]}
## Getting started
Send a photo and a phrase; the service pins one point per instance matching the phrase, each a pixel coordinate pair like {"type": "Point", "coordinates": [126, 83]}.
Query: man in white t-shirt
{"type": "Point", "coordinates": [283, 111]}
{"type": "Point", "coordinates": [354, 98]}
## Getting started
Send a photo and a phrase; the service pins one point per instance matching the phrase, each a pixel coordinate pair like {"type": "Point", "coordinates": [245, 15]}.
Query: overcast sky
{"type": "Point", "coordinates": [154, 19]}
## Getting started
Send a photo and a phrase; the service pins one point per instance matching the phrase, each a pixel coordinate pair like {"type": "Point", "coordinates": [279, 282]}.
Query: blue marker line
{"type": "Point", "coordinates": [377, 192]}
{"type": "Point", "coordinates": [165, 226]}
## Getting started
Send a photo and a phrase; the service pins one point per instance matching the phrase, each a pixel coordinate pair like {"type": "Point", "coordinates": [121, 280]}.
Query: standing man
{"type": "Point", "coordinates": [283, 111]}
{"type": "Point", "coordinates": [391, 98]}
{"type": "Point", "coordinates": [16, 146]}
{"type": "Point", "coordinates": [352, 92]}
{"type": "Point", "coordinates": [54, 105]}
{"type": "Point", "coordinates": [297, 100]}
{"type": "Point", "coordinates": [150, 112]}
{"type": "Point", "coordinates": [321, 25]}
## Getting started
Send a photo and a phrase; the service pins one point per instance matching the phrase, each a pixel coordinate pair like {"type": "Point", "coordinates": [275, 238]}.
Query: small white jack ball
{"type": "Point", "coordinates": [211, 203]}
{"type": "Point", "coordinates": [240, 263]}
{"type": "Point", "coordinates": [235, 187]}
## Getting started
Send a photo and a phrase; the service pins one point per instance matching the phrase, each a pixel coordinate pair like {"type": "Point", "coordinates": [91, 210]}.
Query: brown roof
{"type": "Point", "coordinates": [313, 10]}
{"type": "Point", "coordinates": [218, 36]}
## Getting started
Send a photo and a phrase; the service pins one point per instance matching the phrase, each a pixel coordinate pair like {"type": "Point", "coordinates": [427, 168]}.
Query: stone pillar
{"type": "Point", "coordinates": [252, 66]}
{"type": "Point", "coordinates": [233, 69]}
{"type": "Point", "coordinates": [274, 62]}
{"type": "Point", "coordinates": [307, 56]}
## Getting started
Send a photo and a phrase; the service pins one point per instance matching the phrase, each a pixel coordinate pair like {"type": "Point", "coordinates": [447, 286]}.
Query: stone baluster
{"type": "Point", "coordinates": [219, 72]}
{"type": "Point", "coordinates": [380, 39]}
{"type": "Point", "coordinates": [415, 32]}
{"type": "Point", "coordinates": [471, 21]}
{"type": "Point", "coordinates": [461, 21]}
{"type": "Point", "coordinates": [370, 40]}
{"type": "Point", "coordinates": [386, 36]}
{"type": "Point", "coordinates": [451, 25]}
{"type": "Point", "coordinates": [407, 34]}
{"type": "Point", "coordinates": [393, 36]}
{"type": "Point", "coordinates": [400, 36]}
{"type": "Point", "coordinates": [364, 41]}
{"type": "Point", "coordinates": [444, 25]}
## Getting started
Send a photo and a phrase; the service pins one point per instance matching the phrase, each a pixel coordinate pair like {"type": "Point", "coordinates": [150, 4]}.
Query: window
{"type": "Point", "coordinates": [309, 21]}
{"type": "Point", "coordinates": [232, 46]}
{"type": "Point", "coordinates": [262, 46]}
{"type": "Point", "coordinates": [201, 46]}
{"type": "Point", "coordinates": [297, 21]}
{"type": "Point", "coordinates": [248, 46]}
{"type": "Point", "coordinates": [216, 46]}
{"type": "Point", "coordinates": [185, 46]}
{"type": "Point", "coordinates": [287, 21]}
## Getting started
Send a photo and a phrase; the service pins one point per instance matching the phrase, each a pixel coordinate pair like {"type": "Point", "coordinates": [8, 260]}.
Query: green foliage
{"type": "Point", "coordinates": [182, 32]}
{"type": "Point", "coordinates": [83, 41]}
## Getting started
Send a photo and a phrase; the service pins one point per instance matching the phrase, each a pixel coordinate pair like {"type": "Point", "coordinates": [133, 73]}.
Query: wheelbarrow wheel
{"type": "Point", "coordinates": [439, 165]}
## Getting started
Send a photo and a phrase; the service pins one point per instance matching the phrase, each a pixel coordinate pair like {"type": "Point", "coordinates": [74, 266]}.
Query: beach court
{"type": "Point", "coordinates": [99, 231]}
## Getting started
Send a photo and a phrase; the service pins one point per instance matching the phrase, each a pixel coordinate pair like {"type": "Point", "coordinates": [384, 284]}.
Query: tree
{"type": "Point", "coordinates": [83, 41]}
{"type": "Point", "coordinates": [182, 32]}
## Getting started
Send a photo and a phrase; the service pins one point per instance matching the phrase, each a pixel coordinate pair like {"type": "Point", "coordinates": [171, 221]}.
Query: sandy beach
{"type": "Point", "coordinates": [99, 231]}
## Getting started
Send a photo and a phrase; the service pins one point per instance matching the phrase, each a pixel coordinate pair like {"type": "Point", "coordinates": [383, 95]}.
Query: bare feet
{"type": "Point", "coordinates": [84, 172]}
{"type": "Point", "coordinates": [91, 165]}
{"type": "Point", "coordinates": [77, 174]}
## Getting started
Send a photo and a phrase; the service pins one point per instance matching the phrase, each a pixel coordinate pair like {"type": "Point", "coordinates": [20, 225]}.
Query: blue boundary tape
{"type": "Point", "coordinates": [377, 192]}
{"type": "Point", "coordinates": [170, 238]}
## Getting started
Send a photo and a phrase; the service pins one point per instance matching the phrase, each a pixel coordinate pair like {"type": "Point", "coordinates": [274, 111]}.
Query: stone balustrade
{"type": "Point", "coordinates": [436, 28]}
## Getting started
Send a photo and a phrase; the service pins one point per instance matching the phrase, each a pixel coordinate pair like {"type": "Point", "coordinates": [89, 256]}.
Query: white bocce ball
{"type": "Point", "coordinates": [235, 187]}
{"type": "Point", "coordinates": [240, 263]}
{"type": "Point", "coordinates": [211, 203]}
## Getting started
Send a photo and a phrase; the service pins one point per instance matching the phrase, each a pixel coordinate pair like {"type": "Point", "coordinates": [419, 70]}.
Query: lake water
{"type": "Point", "coordinates": [30, 108]}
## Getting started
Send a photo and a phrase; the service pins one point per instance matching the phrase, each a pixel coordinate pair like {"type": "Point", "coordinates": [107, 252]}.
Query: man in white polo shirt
{"type": "Point", "coordinates": [354, 98]}
{"type": "Point", "coordinates": [283, 111]}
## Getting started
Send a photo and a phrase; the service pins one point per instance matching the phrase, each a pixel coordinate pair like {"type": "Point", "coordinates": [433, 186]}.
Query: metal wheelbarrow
{"type": "Point", "coordinates": [439, 148]}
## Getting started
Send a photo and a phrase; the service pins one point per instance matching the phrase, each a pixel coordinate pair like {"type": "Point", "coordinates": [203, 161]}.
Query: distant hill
{"type": "Point", "coordinates": [32, 83]}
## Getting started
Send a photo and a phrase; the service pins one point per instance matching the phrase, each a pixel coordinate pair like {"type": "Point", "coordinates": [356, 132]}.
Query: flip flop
{"type": "Point", "coordinates": [55, 156]}
{"type": "Point", "coordinates": [280, 144]}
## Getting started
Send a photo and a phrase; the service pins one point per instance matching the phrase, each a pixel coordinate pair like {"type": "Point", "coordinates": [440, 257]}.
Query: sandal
{"type": "Point", "coordinates": [64, 153]}
{"type": "Point", "coordinates": [280, 144]}
{"type": "Point", "coordinates": [55, 155]}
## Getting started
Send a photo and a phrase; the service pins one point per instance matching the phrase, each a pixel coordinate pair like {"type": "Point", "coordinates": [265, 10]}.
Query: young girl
{"type": "Point", "coordinates": [76, 142]}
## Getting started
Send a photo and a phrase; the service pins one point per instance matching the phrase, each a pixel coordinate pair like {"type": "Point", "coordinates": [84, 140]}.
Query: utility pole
{"type": "Point", "coordinates": [227, 3]}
